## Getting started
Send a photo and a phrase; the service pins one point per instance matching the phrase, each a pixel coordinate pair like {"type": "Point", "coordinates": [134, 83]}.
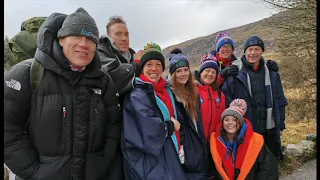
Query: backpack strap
{"type": "Point", "coordinates": [36, 74]}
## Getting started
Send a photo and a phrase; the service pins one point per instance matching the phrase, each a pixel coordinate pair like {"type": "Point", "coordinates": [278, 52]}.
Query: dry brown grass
{"type": "Point", "coordinates": [297, 131]}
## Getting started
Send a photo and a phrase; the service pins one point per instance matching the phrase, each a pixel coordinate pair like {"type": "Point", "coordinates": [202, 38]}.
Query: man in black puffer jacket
{"type": "Point", "coordinates": [117, 58]}
{"type": "Point", "coordinates": [69, 127]}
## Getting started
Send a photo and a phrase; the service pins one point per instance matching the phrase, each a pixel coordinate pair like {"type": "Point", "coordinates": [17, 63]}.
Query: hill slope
{"type": "Point", "coordinates": [196, 47]}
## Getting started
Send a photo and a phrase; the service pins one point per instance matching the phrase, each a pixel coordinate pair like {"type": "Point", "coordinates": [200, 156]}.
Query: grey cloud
{"type": "Point", "coordinates": [164, 22]}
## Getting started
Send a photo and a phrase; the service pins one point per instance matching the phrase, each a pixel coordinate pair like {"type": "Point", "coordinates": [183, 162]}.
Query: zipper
{"type": "Point", "coordinates": [210, 114]}
{"type": "Point", "coordinates": [64, 111]}
{"type": "Point", "coordinates": [258, 121]}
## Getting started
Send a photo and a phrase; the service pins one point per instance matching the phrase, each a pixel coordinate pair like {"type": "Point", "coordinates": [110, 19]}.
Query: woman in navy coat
{"type": "Point", "coordinates": [151, 139]}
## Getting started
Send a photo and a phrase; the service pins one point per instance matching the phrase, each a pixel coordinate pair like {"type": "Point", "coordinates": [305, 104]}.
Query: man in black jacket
{"type": "Point", "coordinates": [117, 58]}
{"type": "Point", "coordinates": [69, 126]}
{"type": "Point", "coordinates": [122, 63]}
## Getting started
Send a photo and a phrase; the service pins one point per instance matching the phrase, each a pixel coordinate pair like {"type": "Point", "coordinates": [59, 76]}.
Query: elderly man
{"type": "Point", "coordinates": [224, 55]}
{"type": "Point", "coordinates": [263, 92]}
{"type": "Point", "coordinates": [65, 125]}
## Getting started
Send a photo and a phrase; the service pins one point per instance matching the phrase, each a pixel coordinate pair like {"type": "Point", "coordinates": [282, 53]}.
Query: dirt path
{"type": "Point", "coordinates": [306, 172]}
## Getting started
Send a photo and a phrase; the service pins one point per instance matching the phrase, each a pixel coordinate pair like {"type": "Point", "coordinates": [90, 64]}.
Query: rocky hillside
{"type": "Point", "coordinates": [196, 47]}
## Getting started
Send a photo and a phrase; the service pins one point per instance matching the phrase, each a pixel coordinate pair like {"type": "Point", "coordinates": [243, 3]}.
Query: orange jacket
{"type": "Point", "coordinates": [255, 145]}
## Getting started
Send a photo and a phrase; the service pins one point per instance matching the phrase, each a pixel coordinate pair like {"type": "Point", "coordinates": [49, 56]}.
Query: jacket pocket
{"type": "Point", "coordinates": [51, 168]}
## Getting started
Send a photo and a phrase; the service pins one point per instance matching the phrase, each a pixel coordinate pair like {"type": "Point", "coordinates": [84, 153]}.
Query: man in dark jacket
{"type": "Point", "coordinates": [263, 92]}
{"type": "Point", "coordinates": [121, 62]}
{"type": "Point", "coordinates": [69, 127]}
{"type": "Point", "coordinates": [224, 54]}
{"type": "Point", "coordinates": [117, 58]}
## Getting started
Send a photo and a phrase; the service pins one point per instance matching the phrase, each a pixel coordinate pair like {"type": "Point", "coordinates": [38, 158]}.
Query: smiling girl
{"type": "Point", "coordinates": [237, 151]}
{"type": "Point", "coordinates": [193, 147]}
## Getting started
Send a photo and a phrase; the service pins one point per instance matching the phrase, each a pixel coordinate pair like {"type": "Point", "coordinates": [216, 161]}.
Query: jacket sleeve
{"type": "Point", "coordinates": [19, 154]}
{"type": "Point", "coordinates": [282, 102]}
{"type": "Point", "coordinates": [113, 129]}
{"type": "Point", "coordinates": [227, 89]}
{"type": "Point", "coordinates": [143, 128]}
{"type": "Point", "coordinates": [267, 166]}
{"type": "Point", "coordinates": [123, 74]}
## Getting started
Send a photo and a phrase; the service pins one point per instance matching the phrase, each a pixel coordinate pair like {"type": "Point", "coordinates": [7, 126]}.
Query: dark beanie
{"type": "Point", "coordinates": [208, 61]}
{"type": "Point", "coordinates": [176, 61]}
{"type": "Point", "coordinates": [152, 51]}
{"type": "Point", "coordinates": [79, 23]}
{"type": "Point", "coordinates": [254, 41]}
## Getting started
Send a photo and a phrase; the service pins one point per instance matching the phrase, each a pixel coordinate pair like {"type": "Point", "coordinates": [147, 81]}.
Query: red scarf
{"type": "Point", "coordinates": [223, 61]}
{"type": "Point", "coordinates": [162, 93]}
{"type": "Point", "coordinates": [241, 152]}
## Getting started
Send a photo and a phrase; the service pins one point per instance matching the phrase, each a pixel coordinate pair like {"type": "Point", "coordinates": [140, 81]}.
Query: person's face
{"type": "Point", "coordinates": [182, 75]}
{"type": "Point", "coordinates": [253, 54]}
{"type": "Point", "coordinates": [79, 50]}
{"type": "Point", "coordinates": [208, 75]}
{"type": "Point", "coordinates": [225, 51]}
{"type": "Point", "coordinates": [153, 70]}
{"type": "Point", "coordinates": [120, 35]}
{"type": "Point", "coordinates": [231, 125]}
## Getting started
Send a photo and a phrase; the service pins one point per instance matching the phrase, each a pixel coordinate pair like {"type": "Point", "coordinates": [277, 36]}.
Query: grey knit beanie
{"type": "Point", "coordinates": [79, 23]}
{"type": "Point", "coordinates": [237, 108]}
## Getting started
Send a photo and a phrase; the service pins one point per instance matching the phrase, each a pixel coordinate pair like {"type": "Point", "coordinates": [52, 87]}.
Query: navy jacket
{"type": "Point", "coordinates": [193, 142]}
{"type": "Point", "coordinates": [148, 151]}
{"type": "Point", "coordinates": [237, 87]}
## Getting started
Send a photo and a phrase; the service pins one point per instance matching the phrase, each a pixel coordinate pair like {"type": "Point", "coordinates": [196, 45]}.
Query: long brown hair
{"type": "Point", "coordinates": [187, 94]}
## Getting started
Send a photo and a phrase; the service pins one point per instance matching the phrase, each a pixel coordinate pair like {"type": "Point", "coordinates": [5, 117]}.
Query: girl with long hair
{"type": "Point", "coordinates": [193, 147]}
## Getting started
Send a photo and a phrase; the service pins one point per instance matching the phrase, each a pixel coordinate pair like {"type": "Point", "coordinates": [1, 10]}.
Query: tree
{"type": "Point", "coordinates": [297, 48]}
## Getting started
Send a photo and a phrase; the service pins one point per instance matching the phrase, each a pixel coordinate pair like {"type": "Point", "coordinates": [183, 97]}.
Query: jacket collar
{"type": "Point", "coordinates": [106, 45]}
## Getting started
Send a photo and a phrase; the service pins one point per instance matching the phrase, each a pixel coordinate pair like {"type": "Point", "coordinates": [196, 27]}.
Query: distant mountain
{"type": "Point", "coordinates": [196, 47]}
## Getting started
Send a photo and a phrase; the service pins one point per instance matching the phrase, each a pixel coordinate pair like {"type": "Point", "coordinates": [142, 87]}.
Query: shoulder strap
{"type": "Point", "coordinates": [36, 74]}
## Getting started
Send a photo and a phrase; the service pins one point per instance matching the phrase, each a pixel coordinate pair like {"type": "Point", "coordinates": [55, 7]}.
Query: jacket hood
{"type": "Point", "coordinates": [49, 52]}
{"type": "Point", "coordinates": [198, 81]}
{"type": "Point", "coordinates": [106, 44]}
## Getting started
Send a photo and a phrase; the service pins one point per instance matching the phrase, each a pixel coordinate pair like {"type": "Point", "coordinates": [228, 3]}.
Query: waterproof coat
{"type": "Point", "coordinates": [212, 105]}
{"type": "Point", "coordinates": [237, 87]}
{"type": "Point", "coordinates": [121, 70]}
{"type": "Point", "coordinates": [69, 128]}
{"type": "Point", "coordinates": [148, 150]}
{"type": "Point", "coordinates": [258, 163]}
{"type": "Point", "coordinates": [193, 141]}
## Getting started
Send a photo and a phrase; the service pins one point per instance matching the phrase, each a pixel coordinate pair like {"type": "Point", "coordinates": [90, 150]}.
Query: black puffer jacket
{"type": "Point", "coordinates": [74, 125]}
{"type": "Point", "coordinates": [121, 70]}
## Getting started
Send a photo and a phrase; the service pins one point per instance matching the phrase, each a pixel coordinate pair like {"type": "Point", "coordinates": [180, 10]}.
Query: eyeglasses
{"type": "Point", "coordinates": [226, 46]}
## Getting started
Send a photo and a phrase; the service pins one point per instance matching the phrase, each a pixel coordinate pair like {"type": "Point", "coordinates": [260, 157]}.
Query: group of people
{"type": "Point", "coordinates": [104, 111]}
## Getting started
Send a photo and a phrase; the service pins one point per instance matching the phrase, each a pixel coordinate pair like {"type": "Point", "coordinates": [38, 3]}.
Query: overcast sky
{"type": "Point", "coordinates": [165, 22]}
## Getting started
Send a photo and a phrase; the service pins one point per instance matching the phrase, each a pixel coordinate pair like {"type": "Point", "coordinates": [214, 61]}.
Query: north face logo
{"type": "Point", "coordinates": [97, 91]}
{"type": "Point", "coordinates": [14, 84]}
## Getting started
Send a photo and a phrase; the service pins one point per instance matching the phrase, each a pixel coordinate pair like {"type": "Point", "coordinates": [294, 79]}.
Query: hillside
{"type": "Point", "coordinates": [196, 47]}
